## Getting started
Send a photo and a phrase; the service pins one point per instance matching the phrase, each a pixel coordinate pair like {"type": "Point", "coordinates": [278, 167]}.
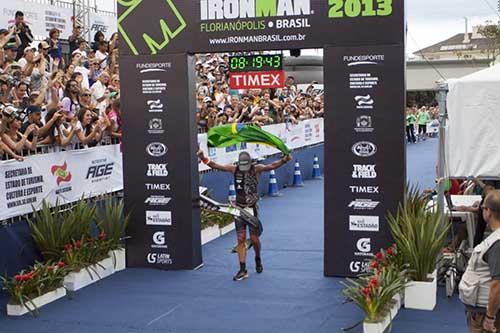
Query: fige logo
{"type": "Point", "coordinates": [239, 9]}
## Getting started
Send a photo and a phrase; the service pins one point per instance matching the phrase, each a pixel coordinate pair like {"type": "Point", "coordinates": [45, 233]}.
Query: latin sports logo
{"type": "Point", "coordinates": [61, 173]}
{"type": "Point", "coordinates": [169, 30]}
{"type": "Point", "coordinates": [359, 60]}
{"type": "Point", "coordinates": [240, 9]}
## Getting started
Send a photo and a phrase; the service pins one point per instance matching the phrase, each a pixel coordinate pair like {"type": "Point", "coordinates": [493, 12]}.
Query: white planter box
{"type": "Point", "coordinates": [77, 280]}
{"type": "Point", "coordinates": [209, 234]}
{"type": "Point", "coordinates": [119, 259]}
{"type": "Point", "coordinates": [227, 229]}
{"type": "Point", "coordinates": [397, 299]}
{"type": "Point", "coordinates": [421, 295]}
{"type": "Point", "coordinates": [19, 310]}
{"type": "Point", "coordinates": [379, 327]}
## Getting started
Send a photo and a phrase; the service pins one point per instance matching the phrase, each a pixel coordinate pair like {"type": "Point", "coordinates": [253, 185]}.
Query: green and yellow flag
{"type": "Point", "coordinates": [228, 135]}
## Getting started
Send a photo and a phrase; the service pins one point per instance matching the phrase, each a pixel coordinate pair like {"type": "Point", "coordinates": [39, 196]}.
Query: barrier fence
{"type": "Point", "coordinates": [65, 175]}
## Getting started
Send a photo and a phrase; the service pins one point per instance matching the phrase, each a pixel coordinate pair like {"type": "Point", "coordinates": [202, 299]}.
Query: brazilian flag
{"type": "Point", "coordinates": [228, 135]}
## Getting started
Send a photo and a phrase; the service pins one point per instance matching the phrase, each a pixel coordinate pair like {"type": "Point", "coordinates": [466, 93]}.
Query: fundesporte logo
{"type": "Point", "coordinates": [167, 31]}
{"type": "Point", "coordinates": [61, 172]}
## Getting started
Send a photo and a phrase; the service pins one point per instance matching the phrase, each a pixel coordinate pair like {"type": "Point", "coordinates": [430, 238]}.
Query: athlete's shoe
{"type": "Point", "coordinates": [258, 265]}
{"type": "Point", "coordinates": [241, 275]}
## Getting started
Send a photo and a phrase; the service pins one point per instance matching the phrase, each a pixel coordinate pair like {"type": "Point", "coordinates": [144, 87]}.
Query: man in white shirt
{"type": "Point", "coordinates": [82, 46]}
{"type": "Point", "coordinates": [77, 61]}
{"type": "Point", "coordinates": [100, 92]}
{"type": "Point", "coordinates": [102, 54]}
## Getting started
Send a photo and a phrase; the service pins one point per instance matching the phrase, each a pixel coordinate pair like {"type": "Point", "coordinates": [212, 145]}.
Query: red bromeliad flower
{"type": "Point", "coordinates": [50, 269]}
{"type": "Point", "coordinates": [102, 236]}
{"type": "Point", "coordinates": [68, 247]}
{"type": "Point", "coordinates": [379, 256]}
{"type": "Point", "coordinates": [78, 244]}
{"type": "Point", "coordinates": [373, 282]}
{"type": "Point", "coordinates": [18, 278]}
{"type": "Point", "coordinates": [374, 265]}
{"type": "Point", "coordinates": [366, 292]}
{"type": "Point", "coordinates": [60, 264]}
{"type": "Point", "coordinates": [390, 251]}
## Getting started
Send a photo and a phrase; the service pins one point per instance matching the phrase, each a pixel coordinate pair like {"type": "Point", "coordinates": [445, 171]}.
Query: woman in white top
{"type": "Point", "coordinates": [85, 129]}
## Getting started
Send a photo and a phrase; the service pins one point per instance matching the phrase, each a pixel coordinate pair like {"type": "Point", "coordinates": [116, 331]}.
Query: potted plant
{"type": "Point", "coordinates": [52, 227]}
{"type": "Point", "coordinates": [88, 261]}
{"type": "Point", "coordinates": [419, 235]}
{"type": "Point", "coordinates": [32, 289]}
{"type": "Point", "coordinates": [112, 222]}
{"type": "Point", "coordinates": [374, 295]}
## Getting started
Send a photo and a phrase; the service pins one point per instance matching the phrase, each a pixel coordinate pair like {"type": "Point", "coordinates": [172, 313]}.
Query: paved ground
{"type": "Point", "coordinates": [290, 296]}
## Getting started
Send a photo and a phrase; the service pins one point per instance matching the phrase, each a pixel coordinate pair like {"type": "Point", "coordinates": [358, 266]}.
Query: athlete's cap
{"type": "Point", "coordinates": [244, 161]}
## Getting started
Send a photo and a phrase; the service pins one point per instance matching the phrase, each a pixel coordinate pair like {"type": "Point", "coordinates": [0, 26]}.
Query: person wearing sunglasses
{"type": "Point", "coordinates": [480, 285]}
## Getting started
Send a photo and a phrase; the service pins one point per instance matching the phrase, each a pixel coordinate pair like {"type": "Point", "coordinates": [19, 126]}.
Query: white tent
{"type": "Point", "coordinates": [472, 145]}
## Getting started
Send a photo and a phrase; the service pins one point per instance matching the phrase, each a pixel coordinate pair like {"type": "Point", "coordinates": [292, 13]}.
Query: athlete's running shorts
{"type": "Point", "coordinates": [240, 225]}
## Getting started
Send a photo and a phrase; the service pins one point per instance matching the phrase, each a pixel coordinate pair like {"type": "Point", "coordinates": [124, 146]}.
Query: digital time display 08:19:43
{"type": "Point", "coordinates": [256, 63]}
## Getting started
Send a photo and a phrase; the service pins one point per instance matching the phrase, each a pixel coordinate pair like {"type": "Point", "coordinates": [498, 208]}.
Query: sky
{"type": "Point", "coordinates": [429, 21]}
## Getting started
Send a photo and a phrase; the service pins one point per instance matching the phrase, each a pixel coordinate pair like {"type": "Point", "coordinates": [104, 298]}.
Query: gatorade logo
{"type": "Point", "coordinates": [240, 9]}
{"type": "Point", "coordinates": [169, 30]}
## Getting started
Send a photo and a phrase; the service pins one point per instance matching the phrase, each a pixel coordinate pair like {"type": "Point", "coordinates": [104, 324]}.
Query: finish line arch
{"type": "Point", "coordinates": [364, 68]}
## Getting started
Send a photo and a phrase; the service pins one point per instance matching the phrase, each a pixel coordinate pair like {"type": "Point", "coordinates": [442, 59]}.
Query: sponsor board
{"type": "Point", "coordinates": [157, 187]}
{"type": "Point", "coordinates": [364, 223]}
{"type": "Point", "coordinates": [364, 149]}
{"type": "Point", "coordinates": [364, 171]}
{"type": "Point", "coordinates": [365, 189]}
{"type": "Point", "coordinates": [158, 217]}
{"type": "Point", "coordinates": [155, 126]}
{"type": "Point", "coordinates": [157, 200]}
{"type": "Point", "coordinates": [364, 247]}
{"type": "Point", "coordinates": [159, 240]}
{"type": "Point", "coordinates": [159, 258]}
{"type": "Point", "coordinates": [358, 267]}
{"type": "Point", "coordinates": [155, 106]}
{"type": "Point", "coordinates": [364, 124]}
{"type": "Point", "coordinates": [363, 204]}
{"type": "Point", "coordinates": [364, 102]}
{"type": "Point", "coordinates": [257, 80]}
{"type": "Point", "coordinates": [157, 170]}
{"type": "Point", "coordinates": [156, 149]}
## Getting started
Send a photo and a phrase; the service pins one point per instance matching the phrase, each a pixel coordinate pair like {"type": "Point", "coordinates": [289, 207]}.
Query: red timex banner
{"type": "Point", "coordinates": [257, 80]}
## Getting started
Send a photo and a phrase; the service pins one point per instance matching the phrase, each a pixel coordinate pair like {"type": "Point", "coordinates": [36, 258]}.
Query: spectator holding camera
{"type": "Point", "coordinates": [23, 33]}
{"type": "Point", "coordinates": [13, 138]}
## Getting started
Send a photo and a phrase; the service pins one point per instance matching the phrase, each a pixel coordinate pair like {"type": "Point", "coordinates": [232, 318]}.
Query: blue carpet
{"type": "Point", "coordinates": [421, 161]}
{"type": "Point", "coordinates": [290, 296]}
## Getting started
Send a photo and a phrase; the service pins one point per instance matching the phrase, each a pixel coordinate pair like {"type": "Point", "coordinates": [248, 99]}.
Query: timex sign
{"type": "Point", "coordinates": [257, 80]}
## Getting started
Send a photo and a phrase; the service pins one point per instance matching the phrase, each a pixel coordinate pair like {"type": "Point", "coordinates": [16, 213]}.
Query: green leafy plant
{"type": "Point", "coordinates": [52, 227]}
{"type": "Point", "coordinates": [38, 280]}
{"type": "Point", "coordinates": [210, 218]}
{"type": "Point", "coordinates": [419, 234]}
{"type": "Point", "coordinates": [112, 222]}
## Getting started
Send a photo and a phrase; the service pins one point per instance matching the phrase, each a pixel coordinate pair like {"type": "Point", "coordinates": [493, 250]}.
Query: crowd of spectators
{"type": "Point", "coordinates": [48, 98]}
{"type": "Point", "coordinates": [417, 121]}
{"type": "Point", "coordinates": [217, 104]}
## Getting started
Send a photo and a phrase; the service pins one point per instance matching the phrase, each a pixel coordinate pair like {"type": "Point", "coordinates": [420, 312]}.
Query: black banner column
{"type": "Point", "coordinates": [160, 163]}
{"type": "Point", "coordinates": [364, 152]}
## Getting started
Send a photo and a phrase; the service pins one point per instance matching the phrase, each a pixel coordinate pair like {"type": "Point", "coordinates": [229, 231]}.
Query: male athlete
{"type": "Point", "coordinates": [246, 178]}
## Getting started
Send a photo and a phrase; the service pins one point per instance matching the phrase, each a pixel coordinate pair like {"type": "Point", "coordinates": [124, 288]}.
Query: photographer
{"type": "Point", "coordinates": [23, 32]}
